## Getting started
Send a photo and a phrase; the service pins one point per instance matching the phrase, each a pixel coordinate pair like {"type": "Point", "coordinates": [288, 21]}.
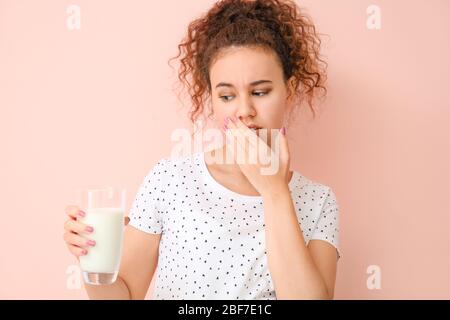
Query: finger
{"type": "Point", "coordinates": [77, 251]}
{"type": "Point", "coordinates": [234, 135]}
{"type": "Point", "coordinates": [232, 124]}
{"type": "Point", "coordinates": [239, 124]}
{"type": "Point", "coordinates": [253, 137]}
{"type": "Point", "coordinates": [231, 154]}
{"type": "Point", "coordinates": [242, 136]}
{"type": "Point", "coordinates": [77, 227]}
{"type": "Point", "coordinates": [257, 146]}
{"type": "Point", "coordinates": [240, 127]}
{"type": "Point", "coordinates": [77, 240]}
{"type": "Point", "coordinates": [74, 212]}
{"type": "Point", "coordinates": [284, 152]}
{"type": "Point", "coordinates": [284, 147]}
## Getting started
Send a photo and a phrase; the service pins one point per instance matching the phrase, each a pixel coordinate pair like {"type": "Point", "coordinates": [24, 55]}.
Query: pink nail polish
{"type": "Point", "coordinates": [84, 252]}
{"type": "Point", "coordinates": [91, 243]}
{"type": "Point", "coordinates": [81, 213]}
{"type": "Point", "coordinates": [89, 229]}
{"type": "Point", "coordinates": [283, 131]}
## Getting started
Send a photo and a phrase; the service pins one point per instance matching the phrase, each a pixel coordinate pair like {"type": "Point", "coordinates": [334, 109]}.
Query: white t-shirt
{"type": "Point", "coordinates": [213, 243]}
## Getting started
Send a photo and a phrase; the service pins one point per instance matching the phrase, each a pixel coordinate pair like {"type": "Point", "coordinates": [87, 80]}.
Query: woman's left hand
{"type": "Point", "coordinates": [269, 175]}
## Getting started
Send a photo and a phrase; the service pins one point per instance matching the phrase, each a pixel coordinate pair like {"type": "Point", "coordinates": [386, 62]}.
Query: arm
{"type": "Point", "coordinates": [138, 264]}
{"type": "Point", "coordinates": [298, 271]}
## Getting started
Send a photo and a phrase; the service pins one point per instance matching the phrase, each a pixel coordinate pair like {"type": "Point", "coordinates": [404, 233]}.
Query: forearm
{"type": "Point", "coordinates": [291, 266]}
{"type": "Point", "coordinates": [116, 291]}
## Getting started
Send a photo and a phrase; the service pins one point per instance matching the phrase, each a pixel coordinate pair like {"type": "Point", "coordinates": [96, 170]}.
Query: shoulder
{"type": "Point", "coordinates": [173, 162]}
{"type": "Point", "coordinates": [313, 192]}
{"type": "Point", "coordinates": [170, 166]}
{"type": "Point", "coordinates": [317, 210]}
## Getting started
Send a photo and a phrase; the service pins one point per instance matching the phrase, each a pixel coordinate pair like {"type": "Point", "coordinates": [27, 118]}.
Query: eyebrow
{"type": "Point", "coordinates": [254, 83]}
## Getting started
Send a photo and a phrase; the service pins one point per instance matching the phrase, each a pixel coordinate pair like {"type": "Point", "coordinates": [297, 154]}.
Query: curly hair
{"type": "Point", "coordinates": [277, 25]}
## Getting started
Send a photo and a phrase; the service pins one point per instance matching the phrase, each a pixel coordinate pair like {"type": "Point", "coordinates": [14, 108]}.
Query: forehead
{"type": "Point", "coordinates": [242, 65]}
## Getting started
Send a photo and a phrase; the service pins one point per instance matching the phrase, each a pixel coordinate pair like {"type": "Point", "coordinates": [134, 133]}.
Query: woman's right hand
{"type": "Point", "coordinates": [76, 232]}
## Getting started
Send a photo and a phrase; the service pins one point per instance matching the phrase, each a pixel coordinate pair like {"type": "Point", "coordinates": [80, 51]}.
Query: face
{"type": "Point", "coordinates": [248, 83]}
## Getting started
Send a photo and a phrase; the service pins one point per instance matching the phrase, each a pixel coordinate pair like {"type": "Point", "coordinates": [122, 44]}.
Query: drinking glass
{"type": "Point", "coordinates": [104, 207]}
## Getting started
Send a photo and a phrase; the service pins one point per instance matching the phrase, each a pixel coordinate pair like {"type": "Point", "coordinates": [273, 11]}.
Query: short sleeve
{"type": "Point", "coordinates": [145, 212]}
{"type": "Point", "coordinates": [327, 227]}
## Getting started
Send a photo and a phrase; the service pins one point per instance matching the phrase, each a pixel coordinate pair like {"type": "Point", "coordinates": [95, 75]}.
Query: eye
{"type": "Point", "coordinates": [228, 98]}
{"type": "Point", "coordinates": [260, 93]}
{"type": "Point", "coordinates": [225, 98]}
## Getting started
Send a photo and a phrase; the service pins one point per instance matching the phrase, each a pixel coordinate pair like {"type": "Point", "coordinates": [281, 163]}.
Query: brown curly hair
{"type": "Point", "coordinates": [278, 25]}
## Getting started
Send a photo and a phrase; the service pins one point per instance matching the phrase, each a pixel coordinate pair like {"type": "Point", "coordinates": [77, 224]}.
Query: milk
{"type": "Point", "coordinates": [108, 224]}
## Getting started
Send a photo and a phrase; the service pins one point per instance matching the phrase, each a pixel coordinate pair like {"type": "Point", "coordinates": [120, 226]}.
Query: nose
{"type": "Point", "coordinates": [245, 109]}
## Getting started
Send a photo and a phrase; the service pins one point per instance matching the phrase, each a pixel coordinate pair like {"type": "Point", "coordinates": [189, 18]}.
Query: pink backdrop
{"type": "Point", "coordinates": [95, 105]}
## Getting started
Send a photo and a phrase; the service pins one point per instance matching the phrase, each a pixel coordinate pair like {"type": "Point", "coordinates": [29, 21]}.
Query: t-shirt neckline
{"type": "Point", "coordinates": [221, 188]}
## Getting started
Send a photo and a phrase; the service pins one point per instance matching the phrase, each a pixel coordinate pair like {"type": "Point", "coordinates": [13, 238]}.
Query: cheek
{"type": "Point", "coordinates": [271, 108]}
{"type": "Point", "coordinates": [222, 111]}
{"type": "Point", "coordinates": [221, 115]}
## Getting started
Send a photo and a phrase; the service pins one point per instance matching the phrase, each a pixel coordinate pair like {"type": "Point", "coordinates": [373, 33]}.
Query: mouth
{"type": "Point", "coordinates": [256, 130]}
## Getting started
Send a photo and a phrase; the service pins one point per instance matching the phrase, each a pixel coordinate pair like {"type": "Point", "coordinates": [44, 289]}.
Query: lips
{"type": "Point", "coordinates": [255, 130]}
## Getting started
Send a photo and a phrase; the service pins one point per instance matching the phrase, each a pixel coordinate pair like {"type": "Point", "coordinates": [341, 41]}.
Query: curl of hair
{"type": "Point", "coordinates": [277, 25]}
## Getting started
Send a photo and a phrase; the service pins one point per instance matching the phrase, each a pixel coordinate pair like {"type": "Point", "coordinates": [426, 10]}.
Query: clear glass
{"type": "Point", "coordinates": [104, 207]}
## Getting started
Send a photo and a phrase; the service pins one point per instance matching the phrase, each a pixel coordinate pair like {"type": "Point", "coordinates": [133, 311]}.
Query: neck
{"type": "Point", "coordinates": [223, 154]}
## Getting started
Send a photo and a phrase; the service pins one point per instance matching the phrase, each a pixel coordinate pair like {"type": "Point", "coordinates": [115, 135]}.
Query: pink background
{"type": "Point", "coordinates": [96, 105]}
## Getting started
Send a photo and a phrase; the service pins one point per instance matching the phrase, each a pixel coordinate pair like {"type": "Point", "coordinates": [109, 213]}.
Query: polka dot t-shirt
{"type": "Point", "coordinates": [213, 242]}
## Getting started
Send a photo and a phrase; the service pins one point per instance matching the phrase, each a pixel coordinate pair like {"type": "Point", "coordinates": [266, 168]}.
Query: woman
{"type": "Point", "coordinates": [221, 230]}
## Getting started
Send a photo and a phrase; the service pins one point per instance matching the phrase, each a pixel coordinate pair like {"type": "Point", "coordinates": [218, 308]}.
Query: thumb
{"type": "Point", "coordinates": [284, 152]}
{"type": "Point", "coordinates": [284, 148]}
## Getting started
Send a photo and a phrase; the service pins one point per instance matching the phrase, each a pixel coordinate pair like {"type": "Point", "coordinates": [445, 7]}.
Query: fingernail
{"type": "Point", "coordinates": [81, 213]}
{"type": "Point", "coordinates": [91, 243]}
{"type": "Point", "coordinates": [84, 252]}
{"type": "Point", "coordinates": [89, 229]}
{"type": "Point", "coordinates": [283, 131]}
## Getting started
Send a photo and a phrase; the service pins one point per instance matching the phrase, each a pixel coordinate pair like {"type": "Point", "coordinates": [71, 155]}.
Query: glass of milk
{"type": "Point", "coordinates": [104, 207]}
